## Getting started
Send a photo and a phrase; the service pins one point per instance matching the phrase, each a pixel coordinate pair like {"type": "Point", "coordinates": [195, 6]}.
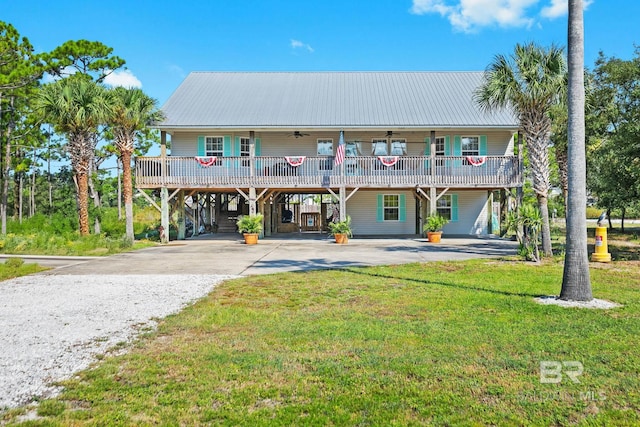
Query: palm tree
{"type": "Point", "coordinates": [76, 107]}
{"type": "Point", "coordinates": [530, 81]}
{"type": "Point", "coordinates": [133, 112]}
{"type": "Point", "coordinates": [576, 282]}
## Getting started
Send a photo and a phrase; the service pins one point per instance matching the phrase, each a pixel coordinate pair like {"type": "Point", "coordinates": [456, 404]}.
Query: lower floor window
{"type": "Point", "coordinates": [391, 207]}
{"type": "Point", "coordinates": [443, 206]}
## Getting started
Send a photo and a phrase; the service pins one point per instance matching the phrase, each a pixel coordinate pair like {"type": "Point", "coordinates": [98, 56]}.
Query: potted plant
{"type": "Point", "coordinates": [341, 230]}
{"type": "Point", "coordinates": [433, 227]}
{"type": "Point", "coordinates": [250, 226]}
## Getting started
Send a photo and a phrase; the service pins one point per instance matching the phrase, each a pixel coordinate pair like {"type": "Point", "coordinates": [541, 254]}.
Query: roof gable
{"type": "Point", "coordinates": [329, 100]}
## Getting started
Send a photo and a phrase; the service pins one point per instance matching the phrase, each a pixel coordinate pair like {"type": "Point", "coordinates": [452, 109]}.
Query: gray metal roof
{"type": "Point", "coordinates": [329, 100]}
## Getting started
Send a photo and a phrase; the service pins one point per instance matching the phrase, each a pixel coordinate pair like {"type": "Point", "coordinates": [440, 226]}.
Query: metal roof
{"type": "Point", "coordinates": [329, 100]}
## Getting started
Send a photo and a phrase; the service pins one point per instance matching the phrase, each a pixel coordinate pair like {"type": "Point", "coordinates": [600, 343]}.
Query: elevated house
{"type": "Point", "coordinates": [415, 143]}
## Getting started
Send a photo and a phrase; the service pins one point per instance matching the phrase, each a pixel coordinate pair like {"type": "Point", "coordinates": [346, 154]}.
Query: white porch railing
{"type": "Point", "coordinates": [317, 172]}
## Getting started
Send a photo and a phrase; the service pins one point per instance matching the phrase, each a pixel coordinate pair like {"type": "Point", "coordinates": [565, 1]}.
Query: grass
{"type": "Point", "coordinates": [452, 343]}
{"type": "Point", "coordinates": [69, 244]}
{"type": "Point", "coordinates": [15, 267]}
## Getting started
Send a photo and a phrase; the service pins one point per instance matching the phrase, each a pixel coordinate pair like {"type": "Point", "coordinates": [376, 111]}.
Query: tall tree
{"type": "Point", "coordinates": [576, 281]}
{"type": "Point", "coordinates": [19, 69]}
{"type": "Point", "coordinates": [133, 113]}
{"type": "Point", "coordinates": [531, 81]}
{"type": "Point", "coordinates": [77, 107]}
{"type": "Point", "coordinates": [85, 57]}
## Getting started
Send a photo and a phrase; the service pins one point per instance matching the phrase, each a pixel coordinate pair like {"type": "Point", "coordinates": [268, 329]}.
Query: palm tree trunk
{"type": "Point", "coordinates": [127, 193]}
{"type": "Point", "coordinates": [543, 205]}
{"type": "Point", "coordinates": [576, 281]}
{"type": "Point", "coordinates": [83, 202]}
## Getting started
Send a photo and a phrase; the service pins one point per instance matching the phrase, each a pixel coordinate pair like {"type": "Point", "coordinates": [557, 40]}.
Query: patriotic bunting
{"type": "Point", "coordinates": [388, 161]}
{"type": "Point", "coordinates": [206, 161]}
{"type": "Point", "coordinates": [295, 160]}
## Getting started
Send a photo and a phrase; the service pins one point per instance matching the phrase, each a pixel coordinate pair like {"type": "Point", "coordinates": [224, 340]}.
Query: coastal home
{"type": "Point", "coordinates": [303, 148]}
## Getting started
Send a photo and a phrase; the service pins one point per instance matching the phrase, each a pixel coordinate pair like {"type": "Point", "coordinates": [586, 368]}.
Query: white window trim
{"type": "Point", "coordinates": [477, 137]}
{"type": "Point", "coordinates": [324, 140]}
{"type": "Point", "coordinates": [385, 207]}
{"type": "Point", "coordinates": [208, 152]}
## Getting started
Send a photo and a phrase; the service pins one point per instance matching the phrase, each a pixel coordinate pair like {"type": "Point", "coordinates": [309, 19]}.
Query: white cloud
{"type": "Point", "coordinates": [471, 15]}
{"type": "Point", "coordinates": [559, 8]}
{"type": "Point", "coordinates": [297, 44]}
{"type": "Point", "coordinates": [124, 78]}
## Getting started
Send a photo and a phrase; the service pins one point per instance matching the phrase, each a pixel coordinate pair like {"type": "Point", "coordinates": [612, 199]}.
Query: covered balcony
{"type": "Point", "coordinates": [321, 172]}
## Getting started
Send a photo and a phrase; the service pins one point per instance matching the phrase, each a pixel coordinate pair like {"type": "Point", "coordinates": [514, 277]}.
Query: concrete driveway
{"type": "Point", "coordinates": [228, 255]}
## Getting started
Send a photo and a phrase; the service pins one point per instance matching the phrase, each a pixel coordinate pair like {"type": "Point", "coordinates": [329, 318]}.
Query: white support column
{"type": "Point", "coordinates": [343, 203]}
{"type": "Point", "coordinates": [164, 215]}
{"type": "Point", "coordinates": [433, 207]}
{"type": "Point", "coordinates": [180, 213]}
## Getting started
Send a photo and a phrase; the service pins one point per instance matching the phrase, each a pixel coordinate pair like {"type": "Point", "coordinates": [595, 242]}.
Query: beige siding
{"type": "Point", "coordinates": [499, 143]}
{"type": "Point", "coordinates": [472, 214]}
{"type": "Point", "coordinates": [362, 208]}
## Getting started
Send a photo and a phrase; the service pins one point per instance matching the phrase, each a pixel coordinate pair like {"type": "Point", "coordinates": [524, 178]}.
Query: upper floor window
{"type": "Point", "coordinates": [213, 146]}
{"type": "Point", "coordinates": [398, 147]}
{"type": "Point", "coordinates": [379, 147]}
{"type": "Point", "coordinates": [244, 146]}
{"type": "Point", "coordinates": [440, 141]}
{"type": "Point", "coordinates": [470, 145]}
{"type": "Point", "coordinates": [352, 149]}
{"type": "Point", "coordinates": [325, 147]}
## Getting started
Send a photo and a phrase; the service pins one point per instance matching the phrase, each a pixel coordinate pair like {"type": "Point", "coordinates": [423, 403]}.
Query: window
{"type": "Point", "coordinates": [440, 146]}
{"type": "Point", "coordinates": [379, 147]}
{"type": "Point", "coordinates": [391, 207]}
{"type": "Point", "coordinates": [443, 206]}
{"type": "Point", "coordinates": [213, 146]}
{"type": "Point", "coordinates": [398, 147]}
{"type": "Point", "coordinates": [244, 146]}
{"type": "Point", "coordinates": [470, 145]}
{"type": "Point", "coordinates": [325, 147]}
{"type": "Point", "coordinates": [244, 150]}
{"type": "Point", "coordinates": [352, 149]}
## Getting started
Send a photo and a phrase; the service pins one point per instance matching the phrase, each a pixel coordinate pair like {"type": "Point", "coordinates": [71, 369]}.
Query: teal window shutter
{"type": "Point", "coordinates": [236, 151]}
{"type": "Point", "coordinates": [447, 146]}
{"type": "Point", "coordinates": [200, 145]}
{"type": "Point", "coordinates": [226, 146]}
{"type": "Point", "coordinates": [483, 145]}
{"type": "Point", "coordinates": [402, 208]}
{"type": "Point", "coordinates": [457, 145]}
{"type": "Point", "coordinates": [380, 211]}
{"type": "Point", "coordinates": [427, 146]}
{"type": "Point", "coordinates": [454, 208]}
{"type": "Point", "coordinates": [258, 147]}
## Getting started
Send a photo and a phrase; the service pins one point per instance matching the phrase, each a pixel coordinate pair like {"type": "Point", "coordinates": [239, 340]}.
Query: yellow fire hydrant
{"type": "Point", "coordinates": [601, 253]}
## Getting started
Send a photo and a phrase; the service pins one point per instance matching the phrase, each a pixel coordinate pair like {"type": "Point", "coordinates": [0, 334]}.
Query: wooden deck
{"type": "Point", "coordinates": [320, 172]}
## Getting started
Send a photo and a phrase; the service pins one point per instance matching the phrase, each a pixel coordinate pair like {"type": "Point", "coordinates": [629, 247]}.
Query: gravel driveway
{"type": "Point", "coordinates": [54, 325]}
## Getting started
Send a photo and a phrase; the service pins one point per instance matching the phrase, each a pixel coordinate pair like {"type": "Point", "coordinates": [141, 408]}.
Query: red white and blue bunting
{"type": "Point", "coordinates": [295, 160]}
{"type": "Point", "coordinates": [206, 161]}
{"type": "Point", "coordinates": [388, 161]}
{"type": "Point", "coordinates": [476, 160]}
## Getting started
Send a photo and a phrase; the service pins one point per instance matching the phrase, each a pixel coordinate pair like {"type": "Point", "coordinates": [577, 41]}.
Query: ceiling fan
{"type": "Point", "coordinates": [390, 133]}
{"type": "Point", "coordinates": [298, 134]}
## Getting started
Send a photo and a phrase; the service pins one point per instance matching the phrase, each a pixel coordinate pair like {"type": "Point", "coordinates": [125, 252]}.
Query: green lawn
{"type": "Point", "coordinates": [438, 344]}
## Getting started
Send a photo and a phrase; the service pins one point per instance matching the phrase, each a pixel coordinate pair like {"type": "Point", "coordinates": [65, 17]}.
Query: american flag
{"type": "Point", "coordinates": [340, 152]}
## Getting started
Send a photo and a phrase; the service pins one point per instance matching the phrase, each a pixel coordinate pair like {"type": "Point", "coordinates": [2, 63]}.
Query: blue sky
{"type": "Point", "coordinates": [163, 41]}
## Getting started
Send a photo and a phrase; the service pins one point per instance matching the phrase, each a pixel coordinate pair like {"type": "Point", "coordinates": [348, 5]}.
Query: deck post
{"type": "Point", "coordinates": [432, 153]}
{"type": "Point", "coordinates": [433, 207]}
{"type": "Point", "coordinates": [164, 192]}
{"type": "Point", "coordinates": [164, 214]}
{"type": "Point", "coordinates": [343, 203]}
{"type": "Point", "coordinates": [180, 213]}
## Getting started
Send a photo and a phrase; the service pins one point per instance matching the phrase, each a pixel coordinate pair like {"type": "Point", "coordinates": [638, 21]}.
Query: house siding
{"type": "Point", "coordinates": [472, 213]}
{"type": "Point", "coordinates": [499, 143]}
{"type": "Point", "coordinates": [362, 208]}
